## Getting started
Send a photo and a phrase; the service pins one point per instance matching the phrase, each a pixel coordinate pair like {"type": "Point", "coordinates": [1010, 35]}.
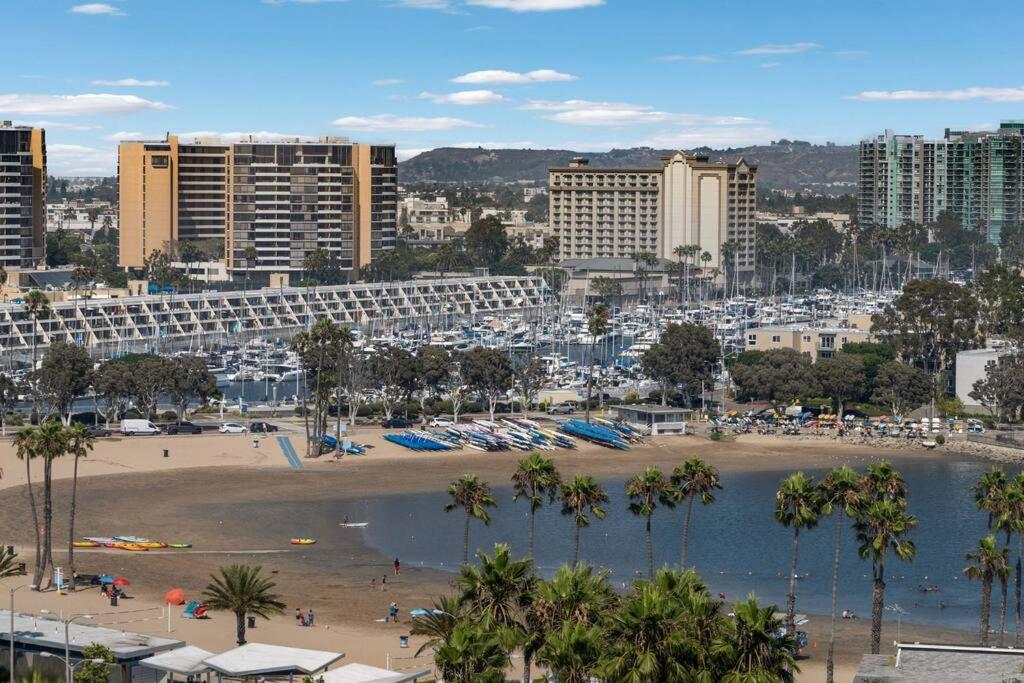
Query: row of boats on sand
{"type": "Point", "coordinates": [518, 434]}
{"type": "Point", "coordinates": [129, 543]}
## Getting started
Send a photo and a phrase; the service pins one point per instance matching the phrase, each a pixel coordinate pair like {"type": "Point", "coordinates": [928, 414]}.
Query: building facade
{"type": "Point", "coordinates": [265, 205]}
{"type": "Point", "coordinates": [816, 342]}
{"type": "Point", "coordinates": [618, 212]}
{"type": "Point", "coordinates": [975, 175]}
{"type": "Point", "coordinates": [22, 196]}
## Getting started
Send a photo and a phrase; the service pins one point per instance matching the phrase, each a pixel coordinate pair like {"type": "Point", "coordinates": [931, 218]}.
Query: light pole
{"type": "Point", "coordinates": [13, 591]}
{"type": "Point", "coordinates": [67, 641]}
{"type": "Point", "coordinates": [899, 612]}
{"type": "Point", "coordinates": [70, 668]}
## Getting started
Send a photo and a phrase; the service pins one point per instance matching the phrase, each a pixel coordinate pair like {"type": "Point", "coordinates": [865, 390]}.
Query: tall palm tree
{"type": "Point", "coordinates": [26, 446]}
{"type": "Point", "coordinates": [580, 495]}
{"type": "Point", "coordinates": [839, 494]}
{"type": "Point", "coordinates": [242, 589]}
{"type": "Point", "coordinates": [989, 562]}
{"type": "Point", "coordinates": [695, 479]}
{"type": "Point", "coordinates": [882, 526]}
{"type": "Point", "coordinates": [499, 592]}
{"type": "Point", "coordinates": [79, 443]}
{"type": "Point", "coordinates": [752, 649]}
{"type": "Point", "coordinates": [579, 595]}
{"type": "Point", "coordinates": [535, 479]}
{"type": "Point", "coordinates": [37, 306]}
{"type": "Point", "coordinates": [990, 495]}
{"type": "Point", "coordinates": [645, 492]}
{"type": "Point", "coordinates": [597, 324]}
{"type": "Point", "coordinates": [472, 496]}
{"type": "Point", "coordinates": [473, 654]}
{"type": "Point", "coordinates": [645, 640]}
{"type": "Point", "coordinates": [1014, 513]}
{"type": "Point", "coordinates": [439, 623]}
{"type": "Point", "coordinates": [797, 506]}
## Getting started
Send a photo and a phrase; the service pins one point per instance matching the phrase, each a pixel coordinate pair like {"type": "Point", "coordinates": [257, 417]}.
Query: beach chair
{"type": "Point", "coordinates": [190, 610]}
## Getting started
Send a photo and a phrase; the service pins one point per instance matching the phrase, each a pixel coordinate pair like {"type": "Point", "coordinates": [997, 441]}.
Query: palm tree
{"type": "Point", "coordinates": [797, 506]}
{"type": "Point", "coordinates": [751, 648]}
{"type": "Point", "coordinates": [79, 443]}
{"type": "Point", "coordinates": [578, 595]}
{"type": "Point", "coordinates": [645, 641]}
{"type": "Point", "coordinates": [36, 306]}
{"type": "Point", "coordinates": [990, 495]}
{"type": "Point", "coordinates": [1014, 513]}
{"type": "Point", "coordinates": [8, 566]}
{"type": "Point", "coordinates": [839, 496]}
{"type": "Point", "coordinates": [694, 479]}
{"type": "Point", "coordinates": [578, 496]}
{"type": "Point", "coordinates": [48, 442]}
{"type": "Point", "coordinates": [439, 623]}
{"type": "Point", "coordinates": [573, 652]}
{"type": "Point", "coordinates": [989, 562]}
{"type": "Point", "coordinates": [473, 497]}
{"type": "Point", "coordinates": [881, 526]}
{"type": "Point", "coordinates": [473, 654]}
{"type": "Point", "coordinates": [597, 324]}
{"type": "Point", "coordinates": [534, 479]}
{"type": "Point", "coordinates": [26, 446]}
{"type": "Point", "coordinates": [242, 589]}
{"type": "Point", "coordinates": [646, 491]}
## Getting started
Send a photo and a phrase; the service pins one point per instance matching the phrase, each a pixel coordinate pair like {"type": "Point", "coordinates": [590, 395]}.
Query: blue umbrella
{"type": "Point", "coordinates": [106, 579]}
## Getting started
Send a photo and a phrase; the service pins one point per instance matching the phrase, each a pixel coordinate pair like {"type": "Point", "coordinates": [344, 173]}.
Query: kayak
{"type": "Point", "coordinates": [134, 547]}
{"type": "Point", "coordinates": [179, 545]}
{"type": "Point", "coordinates": [354, 525]}
{"type": "Point", "coordinates": [303, 541]}
{"type": "Point", "coordinates": [85, 544]}
{"type": "Point", "coordinates": [151, 544]}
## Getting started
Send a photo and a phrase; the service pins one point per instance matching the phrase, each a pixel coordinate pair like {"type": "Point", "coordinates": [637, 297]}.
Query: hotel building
{"type": "Point", "coordinates": [271, 204]}
{"type": "Point", "coordinates": [617, 212]}
{"type": "Point", "coordinates": [22, 196]}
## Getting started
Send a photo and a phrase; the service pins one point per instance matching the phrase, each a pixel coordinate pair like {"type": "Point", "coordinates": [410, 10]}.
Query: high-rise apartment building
{"type": "Point", "coordinates": [975, 175]}
{"type": "Point", "coordinates": [618, 212]}
{"type": "Point", "coordinates": [22, 196]}
{"type": "Point", "coordinates": [271, 204]}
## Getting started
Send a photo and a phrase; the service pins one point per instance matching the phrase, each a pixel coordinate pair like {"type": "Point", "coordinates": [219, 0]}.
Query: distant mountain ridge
{"type": "Point", "coordinates": [783, 165]}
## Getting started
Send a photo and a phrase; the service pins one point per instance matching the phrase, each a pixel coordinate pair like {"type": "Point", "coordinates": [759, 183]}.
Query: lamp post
{"type": "Point", "coordinates": [70, 668]}
{"type": "Point", "coordinates": [67, 643]}
{"type": "Point", "coordinates": [13, 591]}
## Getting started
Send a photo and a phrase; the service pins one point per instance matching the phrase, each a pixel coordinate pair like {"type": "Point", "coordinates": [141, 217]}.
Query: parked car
{"type": "Point", "coordinates": [133, 427]}
{"type": "Point", "coordinates": [98, 431]}
{"type": "Point", "coordinates": [264, 427]}
{"type": "Point", "coordinates": [232, 428]}
{"type": "Point", "coordinates": [563, 408]}
{"type": "Point", "coordinates": [441, 422]}
{"type": "Point", "coordinates": [397, 423]}
{"type": "Point", "coordinates": [184, 428]}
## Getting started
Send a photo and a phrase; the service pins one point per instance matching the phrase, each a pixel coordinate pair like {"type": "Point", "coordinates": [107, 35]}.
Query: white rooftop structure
{"type": "Point", "coordinates": [259, 659]}
{"type": "Point", "coordinates": [361, 673]}
{"type": "Point", "coordinates": [42, 634]}
{"type": "Point", "coordinates": [187, 661]}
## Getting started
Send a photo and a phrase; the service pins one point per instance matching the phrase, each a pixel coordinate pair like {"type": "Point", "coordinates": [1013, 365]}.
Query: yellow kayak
{"type": "Point", "coordinates": [85, 544]}
{"type": "Point", "coordinates": [134, 547]}
{"type": "Point", "coordinates": [303, 541]}
{"type": "Point", "coordinates": [152, 544]}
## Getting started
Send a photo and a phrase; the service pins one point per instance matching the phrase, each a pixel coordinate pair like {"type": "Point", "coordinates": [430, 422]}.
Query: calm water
{"type": "Point", "coordinates": [735, 544]}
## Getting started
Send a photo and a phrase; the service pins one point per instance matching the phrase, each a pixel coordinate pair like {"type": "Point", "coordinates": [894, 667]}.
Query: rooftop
{"type": "Point", "coordinates": [256, 659]}
{"type": "Point", "coordinates": [923, 663]}
{"type": "Point", "coordinates": [42, 633]}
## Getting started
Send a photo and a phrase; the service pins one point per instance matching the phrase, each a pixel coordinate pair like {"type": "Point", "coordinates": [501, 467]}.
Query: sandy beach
{"type": "Point", "coordinates": [201, 494]}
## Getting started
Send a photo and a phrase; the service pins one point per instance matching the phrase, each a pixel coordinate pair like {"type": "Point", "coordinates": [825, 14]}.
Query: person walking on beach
{"type": "Point", "coordinates": [384, 582]}
{"type": "Point", "coordinates": [298, 616]}
{"type": "Point", "coordinates": [309, 617]}
{"type": "Point", "coordinates": [398, 567]}
{"type": "Point", "coordinates": [373, 583]}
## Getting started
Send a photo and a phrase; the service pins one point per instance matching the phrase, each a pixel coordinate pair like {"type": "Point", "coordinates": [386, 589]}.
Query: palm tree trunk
{"type": "Point", "coordinates": [686, 534]}
{"type": "Point", "coordinates": [529, 540]}
{"type": "Point", "coordinates": [830, 660]}
{"type": "Point", "coordinates": [71, 526]}
{"type": "Point", "coordinates": [48, 517]}
{"type": "Point", "coordinates": [576, 547]}
{"type": "Point", "coordinates": [1016, 590]}
{"type": "Point", "coordinates": [1002, 609]}
{"type": "Point", "coordinates": [526, 667]}
{"type": "Point", "coordinates": [650, 551]}
{"type": "Point", "coordinates": [791, 594]}
{"type": "Point", "coordinates": [986, 606]}
{"type": "Point", "coordinates": [37, 573]}
{"type": "Point", "coordinates": [465, 540]}
{"type": "Point", "coordinates": [240, 627]}
{"type": "Point", "coordinates": [590, 375]}
{"type": "Point", "coordinates": [877, 603]}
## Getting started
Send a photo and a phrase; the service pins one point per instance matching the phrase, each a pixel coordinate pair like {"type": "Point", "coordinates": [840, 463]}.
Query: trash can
{"type": "Point", "coordinates": [113, 601]}
{"type": "Point", "coordinates": [167, 453]}
{"type": "Point", "coordinates": [252, 621]}
{"type": "Point", "coordinates": [403, 641]}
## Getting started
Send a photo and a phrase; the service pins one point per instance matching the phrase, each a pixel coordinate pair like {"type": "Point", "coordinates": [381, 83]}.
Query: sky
{"type": "Point", "coordinates": [587, 75]}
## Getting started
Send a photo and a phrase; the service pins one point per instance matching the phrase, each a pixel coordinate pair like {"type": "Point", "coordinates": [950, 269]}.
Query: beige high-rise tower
{"type": "Point", "coordinates": [22, 196]}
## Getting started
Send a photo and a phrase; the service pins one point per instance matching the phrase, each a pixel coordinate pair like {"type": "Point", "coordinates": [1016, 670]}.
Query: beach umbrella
{"type": "Point", "coordinates": [175, 596]}
{"type": "Point", "coordinates": [106, 579]}
{"type": "Point", "coordinates": [121, 581]}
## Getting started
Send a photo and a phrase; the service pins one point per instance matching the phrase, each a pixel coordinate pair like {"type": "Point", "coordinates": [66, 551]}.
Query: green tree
{"type": "Point", "coordinates": [695, 479]}
{"type": "Point", "coordinates": [1000, 291]}
{"type": "Point", "coordinates": [37, 307]}
{"type": "Point", "coordinates": [486, 242]}
{"type": "Point", "coordinates": [646, 491]}
{"type": "Point", "coordinates": [79, 442]}
{"type": "Point", "coordinates": [606, 288]}
{"type": "Point", "coordinates": [438, 624]}
{"type": "Point", "coordinates": [323, 267]}
{"type": "Point", "coordinates": [95, 665]}
{"type": "Point", "coordinates": [473, 497]}
{"type": "Point", "coordinates": [46, 442]}
{"type": "Point", "coordinates": [797, 506]}
{"type": "Point", "coordinates": [645, 640]}
{"type": "Point", "coordinates": [8, 399]}
{"type": "Point", "coordinates": [535, 479]}
{"type": "Point", "coordinates": [431, 374]}
{"type": "Point", "coordinates": [751, 648]}
{"type": "Point", "coordinates": [988, 561]}
{"type": "Point", "coordinates": [242, 590]}
{"type": "Point", "coordinates": [902, 388]}
{"type": "Point", "coordinates": [473, 654]}
{"type": "Point", "coordinates": [685, 358]}
{"type": "Point", "coordinates": [841, 378]}
{"type": "Point", "coordinates": [188, 378]}
{"type": "Point", "coordinates": [64, 374]}
{"type": "Point", "coordinates": [573, 652]}
{"type": "Point", "coordinates": [780, 375]}
{"type": "Point", "coordinates": [580, 495]}
{"type": "Point", "coordinates": [393, 371]}
{"type": "Point", "coordinates": [528, 376]}
{"type": "Point", "coordinates": [839, 493]}
{"type": "Point", "coordinates": [489, 373]}
{"type": "Point", "coordinates": [597, 326]}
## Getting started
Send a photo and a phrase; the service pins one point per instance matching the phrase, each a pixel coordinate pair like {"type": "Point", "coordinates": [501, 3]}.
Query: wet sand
{"type": "Point", "coordinates": [204, 494]}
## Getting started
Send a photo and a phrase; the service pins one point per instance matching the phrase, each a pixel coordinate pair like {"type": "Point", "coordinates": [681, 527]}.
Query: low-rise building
{"type": "Point", "coordinates": [924, 663]}
{"type": "Point", "coordinates": [655, 419]}
{"type": "Point", "coordinates": [817, 342]}
{"type": "Point", "coordinates": [972, 366]}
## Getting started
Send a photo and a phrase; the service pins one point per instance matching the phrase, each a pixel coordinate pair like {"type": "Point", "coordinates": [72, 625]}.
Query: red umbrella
{"type": "Point", "coordinates": [121, 581]}
{"type": "Point", "coordinates": [175, 596]}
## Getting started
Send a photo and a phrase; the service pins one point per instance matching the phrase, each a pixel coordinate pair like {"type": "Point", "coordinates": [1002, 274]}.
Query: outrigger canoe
{"type": "Point", "coordinates": [303, 541]}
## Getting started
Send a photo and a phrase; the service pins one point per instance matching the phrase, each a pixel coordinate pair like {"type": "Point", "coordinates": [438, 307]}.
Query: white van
{"type": "Point", "coordinates": [133, 427]}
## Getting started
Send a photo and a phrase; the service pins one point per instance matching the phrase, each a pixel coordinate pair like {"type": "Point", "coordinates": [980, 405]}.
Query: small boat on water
{"type": "Point", "coordinates": [354, 525]}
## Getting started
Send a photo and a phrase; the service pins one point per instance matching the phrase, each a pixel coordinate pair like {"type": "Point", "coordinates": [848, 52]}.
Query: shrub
{"type": "Point", "coordinates": [940, 439]}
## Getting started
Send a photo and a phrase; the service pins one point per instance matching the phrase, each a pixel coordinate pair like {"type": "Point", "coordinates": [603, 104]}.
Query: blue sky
{"type": "Point", "coordinates": [579, 74]}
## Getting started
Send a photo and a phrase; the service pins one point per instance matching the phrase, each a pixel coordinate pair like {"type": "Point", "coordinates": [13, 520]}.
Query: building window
{"type": "Point", "coordinates": [160, 161]}
{"type": "Point", "coordinates": [752, 340]}
{"type": "Point", "coordinates": [776, 339]}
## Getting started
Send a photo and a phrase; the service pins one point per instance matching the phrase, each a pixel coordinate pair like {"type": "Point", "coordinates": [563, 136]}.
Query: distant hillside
{"type": "Point", "coordinates": [785, 165]}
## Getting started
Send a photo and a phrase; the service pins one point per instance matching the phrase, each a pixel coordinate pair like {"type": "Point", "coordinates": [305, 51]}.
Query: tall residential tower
{"type": "Point", "coordinates": [22, 196]}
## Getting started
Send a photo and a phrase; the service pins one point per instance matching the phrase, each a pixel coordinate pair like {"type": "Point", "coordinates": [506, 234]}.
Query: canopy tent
{"type": "Point", "coordinates": [259, 659]}
{"type": "Point", "coordinates": [361, 673]}
{"type": "Point", "coordinates": [186, 661]}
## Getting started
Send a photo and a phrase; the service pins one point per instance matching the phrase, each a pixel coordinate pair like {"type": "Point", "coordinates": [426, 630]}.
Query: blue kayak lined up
{"type": "Point", "coordinates": [594, 433]}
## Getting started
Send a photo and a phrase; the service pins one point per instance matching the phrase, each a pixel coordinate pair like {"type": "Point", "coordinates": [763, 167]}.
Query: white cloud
{"type": "Point", "coordinates": [442, 5]}
{"type": "Point", "coordinates": [990, 94]}
{"type": "Point", "coordinates": [75, 105]}
{"type": "Point", "coordinates": [60, 125]}
{"type": "Point", "coordinates": [779, 49]}
{"type": "Point", "coordinates": [703, 136]}
{"type": "Point", "coordinates": [64, 159]}
{"type": "Point", "coordinates": [388, 81]}
{"type": "Point", "coordinates": [513, 77]}
{"type": "Point", "coordinates": [704, 59]}
{"type": "Point", "coordinates": [535, 5]}
{"type": "Point", "coordinates": [391, 123]}
{"type": "Point", "coordinates": [96, 8]}
{"type": "Point", "coordinates": [464, 97]}
{"type": "Point", "coordinates": [576, 105]}
{"type": "Point", "coordinates": [127, 135]}
{"type": "Point", "coordinates": [769, 65]}
{"type": "Point", "coordinates": [132, 83]}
